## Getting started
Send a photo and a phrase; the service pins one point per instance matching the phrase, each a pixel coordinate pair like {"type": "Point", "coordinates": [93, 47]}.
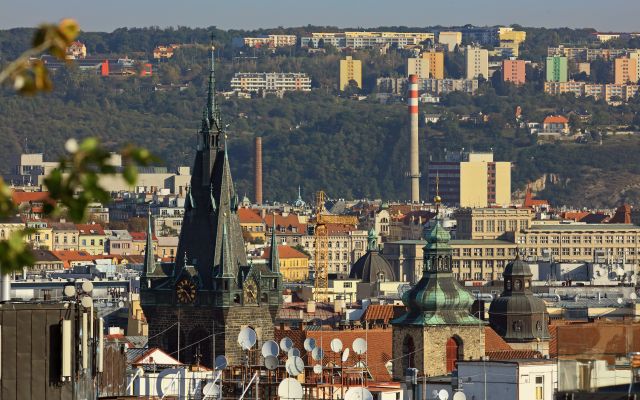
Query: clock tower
{"type": "Point", "coordinates": [201, 301]}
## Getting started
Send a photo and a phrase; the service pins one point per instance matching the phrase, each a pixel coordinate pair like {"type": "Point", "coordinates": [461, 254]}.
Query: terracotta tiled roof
{"type": "Point", "coordinates": [512, 354]}
{"type": "Point", "coordinates": [555, 119]}
{"type": "Point", "coordinates": [90, 229]}
{"type": "Point", "coordinates": [574, 215]}
{"type": "Point", "coordinates": [286, 224]}
{"type": "Point", "coordinates": [530, 202]}
{"type": "Point", "coordinates": [382, 312]}
{"type": "Point", "coordinates": [622, 215]}
{"type": "Point", "coordinates": [494, 342]}
{"type": "Point", "coordinates": [69, 256]}
{"type": "Point", "coordinates": [334, 229]}
{"type": "Point", "coordinates": [20, 197]}
{"type": "Point", "coordinates": [249, 216]}
{"type": "Point", "coordinates": [601, 340]}
{"type": "Point", "coordinates": [284, 252]}
{"type": "Point", "coordinates": [141, 236]}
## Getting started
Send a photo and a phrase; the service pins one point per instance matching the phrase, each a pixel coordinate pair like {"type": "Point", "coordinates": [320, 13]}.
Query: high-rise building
{"type": "Point", "coordinates": [471, 180]}
{"type": "Point", "coordinates": [514, 71]}
{"type": "Point", "coordinates": [557, 69]}
{"type": "Point", "coordinates": [450, 39]}
{"type": "Point", "coordinates": [477, 62]}
{"type": "Point", "coordinates": [436, 63]}
{"type": "Point", "coordinates": [211, 290]}
{"type": "Point", "coordinates": [625, 70]}
{"type": "Point", "coordinates": [350, 70]}
{"type": "Point", "coordinates": [418, 67]}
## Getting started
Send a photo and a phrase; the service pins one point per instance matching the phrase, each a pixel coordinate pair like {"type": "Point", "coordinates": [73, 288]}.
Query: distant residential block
{"type": "Point", "coordinates": [270, 82]}
{"type": "Point", "coordinates": [350, 70]}
{"type": "Point", "coordinates": [361, 40]}
{"type": "Point", "coordinates": [509, 35]}
{"type": "Point", "coordinates": [443, 86]}
{"type": "Point", "coordinates": [625, 70]}
{"type": "Point", "coordinates": [76, 50]}
{"type": "Point", "coordinates": [514, 71]}
{"type": "Point", "coordinates": [436, 63]}
{"type": "Point", "coordinates": [164, 52]}
{"type": "Point", "coordinates": [418, 66]}
{"type": "Point", "coordinates": [608, 92]}
{"type": "Point", "coordinates": [271, 41]}
{"type": "Point", "coordinates": [477, 62]}
{"type": "Point", "coordinates": [450, 39]}
{"type": "Point", "coordinates": [557, 69]}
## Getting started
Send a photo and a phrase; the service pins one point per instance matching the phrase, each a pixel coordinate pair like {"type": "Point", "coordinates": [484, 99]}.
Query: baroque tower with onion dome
{"type": "Point", "coordinates": [200, 302]}
{"type": "Point", "coordinates": [437, 330]}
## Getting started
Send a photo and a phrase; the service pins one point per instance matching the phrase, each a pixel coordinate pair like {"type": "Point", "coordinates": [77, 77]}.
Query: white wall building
{"type": "Point", "coordinates": [270, 82]}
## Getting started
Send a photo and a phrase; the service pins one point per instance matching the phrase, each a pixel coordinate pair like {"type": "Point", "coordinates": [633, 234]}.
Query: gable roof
{"type": "Point", "coordinates": [555, 119]}
{"type": "Point", "coordinates": [249, 216]}
{"type": "Point", "coordinates": [20, 197]}
{"type": "Point", "coordinates": [90, 229]}
{"type": "Point", "coordinates": [494, 342]}
{"type": "Point", "coordinates": [284, 252]}
{"type": "Point", "coordinates": [382, 312]}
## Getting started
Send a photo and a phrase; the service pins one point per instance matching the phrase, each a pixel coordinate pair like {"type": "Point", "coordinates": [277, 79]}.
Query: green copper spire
{"type": "Point", "coordinates": [149, 258]}
{"type": "Point", "coordinates": [274, 257]}
{"type": "Point", "coordinates": [372, 240]}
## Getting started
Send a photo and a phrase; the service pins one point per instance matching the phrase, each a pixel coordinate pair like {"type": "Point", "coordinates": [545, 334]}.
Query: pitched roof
{"type": "Point", "coordinates": [382, 312]}
{"type": "Point", "coordinates": [333, 229]}
{"type": "Point", "coordinates": [20, 197]}
{"type": "Point", "coordinates": [90, 229]}
{"type": "Point", "coordinates": [289, 222]}
{"type": "Point", "coordinates": [512, 354]}
{"type": "Point", "coordinates": [249, 216]}
{"type": "Point", "coordinates": [622, 215]}
{"type": "Point", "coordinates": [69, 256]}
{"type": "Point", "coordinates": [284, 252]}
{"type": "Point", "coordinates": [555, 119]}
{"type": "Point", "coordinates": [141, 236]}
{"type": "Point", "coordinates": [494, 342]}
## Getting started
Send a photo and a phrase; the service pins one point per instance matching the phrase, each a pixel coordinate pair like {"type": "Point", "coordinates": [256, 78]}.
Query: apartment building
{"type": "Point", "coordinates": [608, 91]}
{"type": "Point", "coordinates": [443, 86]}
{"type": "Point", "coordinates": [584, 54]}
{"type": "Point", "coordinates": [514, 71]}
{"type": "Point", "coordinates": [271, 41]}
{"type": "Point", "coordinates": [471, 180]}
{"type": "Point", "coordinates": [419, 67]}
{"type": "Point", "coordinates": [491, 223]}
{"type": "Point", "coordinates": [436, 63]}
{"type": "Point", "coordinates": [625, 70]}
{"type": "Point", "coordinates": [477, 62]}
{"type": "Point", "coordinates": [346, 245]}
{"type": "Point", "coordinates": [508, 34]}
{"type": "Point", "coordinates": [318, 39]}
{"type": "Point", "coordinates": [270, 82]}
{"type": "Point", "coordinates": [91, 238]}
{"type": "Point", "coordinates": [361, 40]}
{"type": "Point", "coordinates": [65, 236]}
{"type": "Point", "coordinates": [557, 69]}
{"type": "Point", "coordinates": [350, 70]}
{"type": "Point", "coordinates": [580, 242]}
{"type": "Point", "coordinates": [450, 39]}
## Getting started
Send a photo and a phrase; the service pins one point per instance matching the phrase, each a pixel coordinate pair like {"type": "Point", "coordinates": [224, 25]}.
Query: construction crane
{"type": "Point", "coordinates": [321, 236]}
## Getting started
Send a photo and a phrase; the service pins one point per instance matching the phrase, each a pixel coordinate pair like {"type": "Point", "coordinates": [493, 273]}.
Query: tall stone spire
{"type": "Point", "coordinates": [149, 257]}
{"type": "Point", "coordinates": [274, 257]}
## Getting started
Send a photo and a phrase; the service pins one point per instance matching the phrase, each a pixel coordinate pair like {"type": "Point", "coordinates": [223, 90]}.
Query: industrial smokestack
{"type": "Point", "coordinates": [258, 171]}
{"type": "Point", "coordinates": [414, 169]}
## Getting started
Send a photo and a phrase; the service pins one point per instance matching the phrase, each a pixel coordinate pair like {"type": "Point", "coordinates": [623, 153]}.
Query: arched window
{"type": "Point", "coordinates": [408, 352]}
{"type": "Point", "coordinates": [455, 352]}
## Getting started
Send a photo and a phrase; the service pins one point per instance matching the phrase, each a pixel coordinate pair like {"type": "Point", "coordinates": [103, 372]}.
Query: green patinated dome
{"type": "Point", "coordinates": [437, 298]}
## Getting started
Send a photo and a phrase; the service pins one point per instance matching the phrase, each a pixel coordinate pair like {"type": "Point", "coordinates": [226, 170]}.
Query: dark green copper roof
{"type": "Point", "coordinates": [437, 298]}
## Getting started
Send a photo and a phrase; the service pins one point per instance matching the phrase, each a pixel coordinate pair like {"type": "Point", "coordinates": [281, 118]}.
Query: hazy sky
{"type": "Point", "coordinates": [106, 15]}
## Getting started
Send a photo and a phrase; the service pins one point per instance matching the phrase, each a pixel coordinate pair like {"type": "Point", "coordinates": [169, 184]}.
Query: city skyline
{"type": "Point", "coordinates": [245, 14]}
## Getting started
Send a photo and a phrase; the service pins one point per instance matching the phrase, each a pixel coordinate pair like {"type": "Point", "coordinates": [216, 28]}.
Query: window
{"type": "Point", "coordinates": [491, 226]}
{"type": "Point", "coordinates": [544, 239]}
{"type": "Point", "coordinates": [565, 251]}
{"type": "Point", "coordinates": [477, 252]}
{"type": "Point", "coordinates": [513, 225]}
{"type": "Point", "coordinates": [523, 224]}
{"type": "Point", "coordinates": [555, 239]}
{"type": "Point", "coordinates": [500, 252]}
{"type": "Point", "coordinates": [466, 252]}
{"type": "Point", "coordinates": [565, 239]}
{"type": "Point", "coordinates": [84, 242]}
{"type": "Point", "coordinates": [479, 226]}
{"type": "Point", "coordinates": [489, 252]}
{"type": "Point", "coordinates": [347, 284]}
{"type": "Point", "coordinates": [575, 240]}
{"type": "Point", "coordinates": [539, 387]}
{"type": "Point", "coordinates": [502, 225]}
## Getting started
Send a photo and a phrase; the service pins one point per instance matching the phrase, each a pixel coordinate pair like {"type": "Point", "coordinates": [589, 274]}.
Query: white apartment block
{"type": "Point", "coordinates": [361, 40]}
{"type": "Point", "coordinates": [440, 86]}
{"type": "Point", "coordinates": [345, 248]}
{"type": "Point", "coordinates": [419, 67]}
{"type": "Point", "coordinates": [477, 62]}
{"type": "Point", "coordinates": [270, 82]}
{"type": "Point", "coordinates": [271, 41]}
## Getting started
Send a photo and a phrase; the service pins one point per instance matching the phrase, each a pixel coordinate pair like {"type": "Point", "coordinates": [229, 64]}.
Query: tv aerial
{"type": "Point", "coordinates": [286, 344]}
{"type": "Point", "coordinates": [270, 348]}
{"type": "Point", "coordinates": [358, 393]}
{"type": "Point", "coordinates": [294, 366]}
{"type": "Point", "coordinates": [317, 354]}
{"type": "Point", "coordinates": [290, 389]}
{"type": "Point", "coordinates": [247, 338]}
{"type": "Point", "coordinates": [221, 362]}
{"type": "Point", "coordinates": [359, 346]}
{"type": "Point", "coordinates": [336, 345]}
{"type": "Point", "coordinates": [309, 344]}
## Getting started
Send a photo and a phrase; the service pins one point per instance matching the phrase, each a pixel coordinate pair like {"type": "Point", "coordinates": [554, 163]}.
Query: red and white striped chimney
{"type": "Point", "coordinates": [414, 168]}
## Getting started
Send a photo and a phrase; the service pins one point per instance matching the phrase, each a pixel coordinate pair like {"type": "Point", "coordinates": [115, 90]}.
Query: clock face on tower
{"type": "Point", "coordinates": [186, 291]}
{"type": "Point", "coordinates": [250, 292]}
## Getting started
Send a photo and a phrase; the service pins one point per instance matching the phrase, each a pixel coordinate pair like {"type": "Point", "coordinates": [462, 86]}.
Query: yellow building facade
{"type": "Point", "coordinates": [350, 70]}
{"type": "Point", "coordinates": [294, 264]}
{"type": "Point", "coordinates": [436, 63]}
{"type": "Point", "coordinates": [418, 67]}
{"type": "Point", "coordinates": [42, 237]}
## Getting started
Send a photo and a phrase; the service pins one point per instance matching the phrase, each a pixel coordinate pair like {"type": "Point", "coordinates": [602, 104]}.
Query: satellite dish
{"type": "Point", "coordinates": [120, 304]}
{"type": "Point", "coordinates": [443, 394]}
{"type": "Point", "coordinates": [345, 355]}
{"type": "Point", "coordinates": [87, 286]}
{"type": "Point", "coordinates": [271, 362]}
{"type": "Point", "coordinates": [434, 393]}
{"type": "Point", "coordinates": [358, 393]}
{"type": "Point", "coordinates": [87, 302]}
{"type": "Point", "coordinates": [247, 338]}
{"type": "Point", "coordinates": [317, 369]}
{"type": "Point", "coordinates": [286, 344]}
{"type": "Point", "coordinates": [309, 344]}
{"type": "Point", "coordinates": [336, 345]}
{"type": "Point", "coordinates": [293, 352]}
{"type": "Point", "coordinates": [211, 390]}
{"type": "Point", "coordinates": [294, 366]}
{"type": "Point", "coordinates": [359, 346]}
{"type": "Point", "coordinates": [459, 396]}
{"type": "Point", "coordinates": [221, 362]}
{"type": "Point", "coordinates": [70, 291]}
{"type": "Point", "coordinates": [633, 296]}
{"type": "Point", "coordinates": [619, 300]}
{"type": "Point", "coordinates": [270, 348]}
{"type": "Point", "coordinates": [290, 389]}
{"type": "Point", "coordinates": [317, 354]}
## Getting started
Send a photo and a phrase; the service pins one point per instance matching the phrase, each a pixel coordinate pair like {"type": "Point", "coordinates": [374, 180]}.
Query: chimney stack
{"type": "Point", "coordinates": [258, 171]}
{"type": "Point", "coordinates": [414, 169]}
